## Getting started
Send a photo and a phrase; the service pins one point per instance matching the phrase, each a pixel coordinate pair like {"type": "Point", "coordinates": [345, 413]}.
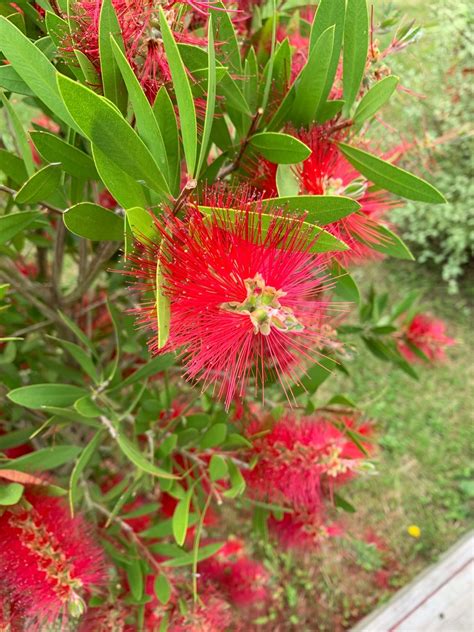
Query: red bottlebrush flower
{"type": "Point", "coordinates": [301, 529]}
{"type": "Point", "coordinates": [48, 560]}
{"type": "Point", "coordinates": [210, 614]}
{"type": "Point", "coordinates": [139, 25]}
{"type": "Point", "coordinates": [300, 461]}
{"type": "Point", "coordinates": [242, 580]}
{"type": "Point", "coordinates": [246, 298]}
{"type": "Point", "coordinates": [427, 334]}
{"type": "Point", "coordinates": [327, 172]}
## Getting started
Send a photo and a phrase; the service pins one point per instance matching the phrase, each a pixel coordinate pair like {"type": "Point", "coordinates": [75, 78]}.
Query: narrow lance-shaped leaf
{"type": "Point", "coordinates": [73, 160]}
{"type": "Point", "coordinates": [181, 518]}
{"type": "Point", "coordinates": [322, 241]}
{"type": "Point", "coordinates": [80, 466]}
{"type": "Point", "coordinates": [147, 124]}
{"type": "Point", "coordinates": [163, 304]}
{"type": "Point", "coordinates": [184, 95]}
{"type": "Point", "coordinates": [137, 458]}
{"type": "Point", "coordinates": [311, 87]}
{"type": "Point", "coordinates": [40, 76]}
{"type": "Point", "coordinates": [375, 98]}
{"type": "Point", "coordinates": [103, 125]}
{"type": "Point", "coordinates": [211, 98]}
{"type": "Point", "coordinates": [280, 148]}
{"type": "Point", "coordinates": [356, 46]}
{"type": "Point", "coordinates": [390, 177]}
{"type": "Point", "coordinates": [319, 209]}
{"type": "Point", "coordinates": [20, 136]}
{"type": "Point", "coordinates": [329, 13]}
{"type": "Point", "coordinates": [112, 81]}
{"type": "Point", "coordinates": [14, 223]}
{"type": "Point", "coordinates": [41, 185]}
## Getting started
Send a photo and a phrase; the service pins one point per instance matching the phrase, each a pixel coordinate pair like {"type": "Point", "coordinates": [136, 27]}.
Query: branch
{"type": "Point", "coordinates": [103, 254]}
{"type": "Point", "coordinates": [225, 171]}
{"type": "Point", "coordinates": [45, 205]}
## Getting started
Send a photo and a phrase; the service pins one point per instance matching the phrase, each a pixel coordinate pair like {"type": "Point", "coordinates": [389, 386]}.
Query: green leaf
{"type": "Point", "coordinates": [147, 125]}
{"type": "Point", "coordinates": [344, 504]}
{"type": "Point", "coordinates": [14, 223]}
{"type": "Point", "coordinates": [184, 95]}
{"type": "Point", "coordinates": [356, 45]}
{"type": "Point", "coordinates": [311, 86]}
{"type": "Point", "coordinates": [390, 177]}
{"type": "Point", "coordinates": [77, 331]}
{"type": "Point", "coordinates": [237, 481]}
{"type": "Point", "coordinates": [40, 75]}
{"type": "Point", "coordinates": [39, 395]}
{"type": "Point", "coordinates": [13, 167]}
{"type": "Point", "coordinates": [20, 134]}
{"type": "Point", "coordinates": [134, 455]}
{"type": "Point", "coordinates": [93, 222]}
{"type": "Point", "coordinates": [41, 185]}
{"type": "Point", "coordinates": [162, 588]}
{"type": "Point", "coordinates": [164, 113]}
{"type": "Point", "coordinates": [314, 377]}
{"type": "Point", "coordinates": [158, 364]}
{"type": "Point", "coordinates": [287, 182]}
{"type": "Point", "coordinates": [320, 209]}
{"type": "Point", "coordinates": [91, 76]}
{"type": "Point", "coordinates": [188, 558]}
{"type": "Point", "coordinates": [213, 437]}
{"type": "Point", "coordinates": [344, 285]}
{"type": "Point", "coordinates": [163, 304]}
{"type": "Point", "coordinates": [329, 13]}
{"type": "Point", "coordinates": [388, 243]}
{"type": "Point", "coordinates": [82, 358]}
{"type": "Point", "coordinates": [141, 224]}
{"type": "Point", "coordinates": [80, 465]}
{"type": "Point", "coordinates": [217, 468]}
{"type": "Point", "coordinates": [135, 579]}
{"type": "Point", "coordinates": [125, 189]}
{"type": "Point", "coordinates": [14, 438]}
{"type": "Point", "coordinates": [211, 98]}
{"type": "Point", "coordinates": [112, 82]}
{"type": "Point", "coordinates": [11, 81]}
{"type": "Point", "coordinates": [224, 33]}
{"type": "Point", "coordinates": [10, 493]}
{"type": "Point", "coordinates": [322, 240]}
{"type": "Point", "coordinates": [87, 407]}
{"type": "Point", "coordinates": [375, 98]}
{"type": "Point", "coordinates": [103, 125]}
{"type": "Point", "coordinates": [43, 459]}
{"type": "Point", "coordinates": [280, 148]}
{"type": "Point", "coordinates": [73, 161]}
{"type": "Point", "coordinates": [181, 518]}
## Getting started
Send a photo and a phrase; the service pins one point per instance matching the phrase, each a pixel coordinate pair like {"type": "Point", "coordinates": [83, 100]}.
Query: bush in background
{"type": "Point", "coordinates": [443, 236]}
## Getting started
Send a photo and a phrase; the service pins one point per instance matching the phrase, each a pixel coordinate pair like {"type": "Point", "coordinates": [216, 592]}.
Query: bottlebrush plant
{"type": "Point", "coordinates": [187, 189]}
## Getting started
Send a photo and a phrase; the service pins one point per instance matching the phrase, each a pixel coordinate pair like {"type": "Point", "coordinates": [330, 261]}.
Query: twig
{"type": "Point", "coordinates": [58, 259]}
{"type": "Point", "coordinates": [45, 205]}
{"type": "Point", "coordinates": [225, 171]}
{"type": "Point", "coordinates": [103, 254]}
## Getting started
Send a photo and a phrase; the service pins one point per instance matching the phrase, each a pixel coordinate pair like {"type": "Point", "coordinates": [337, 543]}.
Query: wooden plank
{"type": "Point", "coordinates": [441, 599]}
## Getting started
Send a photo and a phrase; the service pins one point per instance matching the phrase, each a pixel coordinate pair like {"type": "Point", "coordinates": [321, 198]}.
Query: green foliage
{"type": "Point", "coordinates": [441, 237]}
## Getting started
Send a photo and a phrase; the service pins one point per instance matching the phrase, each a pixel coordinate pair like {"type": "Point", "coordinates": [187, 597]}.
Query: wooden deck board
{"type": "Point", "coordinates": [441, 599]}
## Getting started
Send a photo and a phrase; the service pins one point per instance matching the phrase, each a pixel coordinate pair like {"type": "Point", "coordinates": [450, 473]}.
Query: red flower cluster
{"type": "Point", "coordinates": [327, 172]}
{"type": "Point", "coordinates": [241, 580]}
{"type": "Point", "coordinates": [428, 335]}
{"type": "Point", "coordinates": [48, 560]}
{"type": "Point", "coordinates": [140, 30]}
{"type": "Point", "coordinates": [300, 462]}
{"type": "Point", "coordinates": [246, 295]}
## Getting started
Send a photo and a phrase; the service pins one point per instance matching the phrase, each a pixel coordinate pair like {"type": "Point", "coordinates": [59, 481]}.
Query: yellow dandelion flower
{"type": "Point", "coordinates": [414, 530]}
